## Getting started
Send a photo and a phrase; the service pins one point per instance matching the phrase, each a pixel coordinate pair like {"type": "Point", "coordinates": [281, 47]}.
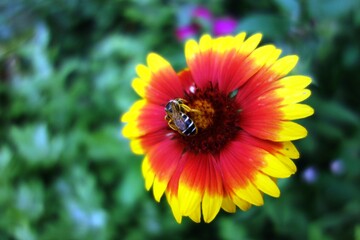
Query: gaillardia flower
{"type": "Point", "coordinates": [218, 133]}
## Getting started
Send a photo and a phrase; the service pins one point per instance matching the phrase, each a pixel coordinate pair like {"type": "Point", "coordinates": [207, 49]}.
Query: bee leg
{"type": "Point", "coordinates": [194, 110]}
{"type": "Point", "coordinates": [186, 108]}
{"type": "Point", "coordinates": [181, 100]}
{"type": "Point", "coordinates": [172, 125]}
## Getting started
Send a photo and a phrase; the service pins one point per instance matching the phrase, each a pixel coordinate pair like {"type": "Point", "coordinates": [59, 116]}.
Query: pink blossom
{"type": "Point", "coordinates": [224, 26]}
{"type": "Point", "coordinates": [202, 13]}
{"type": "Point", "coordinates": [185, 32]}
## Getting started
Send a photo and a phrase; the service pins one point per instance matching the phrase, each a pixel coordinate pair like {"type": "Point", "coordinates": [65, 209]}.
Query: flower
{"type": "Point", "coordinates": [310, 175]}
{"type": "Point", "coordinates": [337, 167]}
{"type": "Point", "coordinates": [224, 26]}
{"type": "Point", "coordinates": [242, 105]}
{"type": "Point", "coordinates": [201, 13]}
{"type": "Point", "coordinates": [193, 20]}
{"type": "Point", "coordinates": [185, 32]}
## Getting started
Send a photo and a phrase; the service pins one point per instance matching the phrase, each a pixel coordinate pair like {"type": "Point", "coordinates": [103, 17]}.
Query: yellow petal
{"type": "Point", "coordinates": [175, 207]}
{"type": "Point", "coordinates": [261, 54]}
{"type": "Point", "coordinates": [148, 173]}
{"type": "Point", "coordinates": [211, 205]}
{"type": "Point", "coordinates": [296, 111]}
{"type": "Point", "coordinates": [291, 96]}
{"type": "Point", "coordinates": [131, 130]}
{"type": "Point", "coordinates": [205, 43]}
{"type": "Point", "coordinates": [134, 111]}
{"type": "Point", "coordinates": [295, 82]}
{"type": "Point", "coordinates": [266, 185]}
{"type": "Point", "coordinates": [228, 205]}
{"type": "Point", "coordinates": [239, 39]}
{"type": "Point", "coordinates": [250, 44]}
{"type": "Point", "coordinates": [241, 203]}
{"type": "Point", "coordinates": [159, 188]}
{"type": "Point", "coordinates": [272, 58]}
{"type": "Point", "coordinates": [139, 86]}
{"type": "Point", "coordinates": [224, 44]}
{"type": "Point", "coordinates": [136, 147]}
{"type": "Point", "coordinates": [143, 72]}
{"type": "Point", "coordinates": [189, 199]}
{"type": "Point", "coordinates": [290, 131]}
{"type": "Point", "coordinates": [250, 194]}
{"type": "Point", "coordinates": [284, 65]}
{"type": "Point", "coordinates": [289, 150]}
{"type": "Point", "coordinates": [287, 162]}
{"type": "Point", "coordinates": [191, 49]}
{"type": "Point", "coordinates": [274, 167]}
{"type": "Point", "coordinates": [196, 215]}
{"type": "Point", "coordinates": [156, 62]}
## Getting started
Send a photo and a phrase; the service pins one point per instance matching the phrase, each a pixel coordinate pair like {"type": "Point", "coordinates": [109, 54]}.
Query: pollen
{"type": "Point", "coordinates": [203, 114]}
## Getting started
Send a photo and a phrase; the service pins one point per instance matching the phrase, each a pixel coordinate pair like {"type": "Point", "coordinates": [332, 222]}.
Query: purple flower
{"type": "Point", "coordinates": [224, 26]}
{"type": "Point", "coordinates": [337, 167]}
{"type": "Point", "coordinates": [310, 175]}
{"type": "Point", "coordinates": [185, 32]}
{"type": "Point", "coordinates": [202, 13]}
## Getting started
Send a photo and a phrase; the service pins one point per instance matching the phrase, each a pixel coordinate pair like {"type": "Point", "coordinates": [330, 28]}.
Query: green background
{"type": "Point", "coordinates": [65, 79]}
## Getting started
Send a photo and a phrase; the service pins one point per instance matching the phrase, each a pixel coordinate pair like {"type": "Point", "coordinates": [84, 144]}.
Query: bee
{"type": "Point", "coordinates": [177, 118]}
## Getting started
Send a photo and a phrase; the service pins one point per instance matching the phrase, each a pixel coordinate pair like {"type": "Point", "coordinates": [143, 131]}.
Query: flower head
{"type": "Point", "coordinates": [237, 97]}
{"type": "Point", "coordinates": [224, 26]}
{"type": "Point", "coordinates": [202, 13]}
{"type": "Point", "coordinates": [310, 174]}
{"type": "Point", "coordinates": [186, 32]}
{"type": "Point", "coordinates": [337, 167]}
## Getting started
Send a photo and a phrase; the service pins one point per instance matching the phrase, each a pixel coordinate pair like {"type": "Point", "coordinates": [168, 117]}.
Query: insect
{"type": "Point", "coordinates": [177, 118]}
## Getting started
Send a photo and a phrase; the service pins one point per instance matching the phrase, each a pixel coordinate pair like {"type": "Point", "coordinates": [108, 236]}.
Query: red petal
{"type": "Point", "coordinates": [164, 158]}
{"type": "Point", "coordinates": [187, 81]}
{"type": "Point", "coordinates": [239, 164]}
{"type": "Point", "coordinates": [260, 113]}
{"type": "Point", "coordinates": [200, 176]}
{"type": "Point", "coordinates": [151, 118]}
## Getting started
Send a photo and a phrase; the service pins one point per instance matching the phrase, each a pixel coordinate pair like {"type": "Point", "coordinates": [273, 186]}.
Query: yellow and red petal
{"type": "Point", "coordinates": [273, 166]}
{"type": "Point", "coordinates": [213, 194]}
{"type": "Point", "coordinates": [229, 62]}
{"type": "Point", "coordinates": [157, 82]}
{"type": "Point", "coordinates": [200, 182]}
{"type": "Point", "coordinates": [267, 105]}
{"type": "Point", "coordinates": [196, 187]}
{"type": "Point", "coordinates": [272, 158]}
{"type": "Point", "coordinates": [286, 149]}
{"type": "Point", "coordinates": [132, 129]}
{"type": "Point", "coordinates": [242, 70]}
{"type": "Point", "coordinates": [187, 81]}
{"type": "Point", "coordinates": [239, 164]}
{"type": "Point", "coordinates": [135, 119]}
{"type": "Point", "coordinates": [162, 161]}
{"type": "Point", "coordinates": [222, 58]}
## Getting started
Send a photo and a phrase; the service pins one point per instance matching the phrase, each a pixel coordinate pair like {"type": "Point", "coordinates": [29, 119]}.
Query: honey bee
{"type": "Point", "coordinates": [177, 118]}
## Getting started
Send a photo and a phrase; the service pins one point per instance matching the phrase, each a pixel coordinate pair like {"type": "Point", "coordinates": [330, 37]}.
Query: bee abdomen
{"type": "Point", "coordinates": [190, 128]}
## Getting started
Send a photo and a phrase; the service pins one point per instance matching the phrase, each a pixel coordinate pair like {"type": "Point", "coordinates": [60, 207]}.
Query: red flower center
{"type": "Point", "coordinates": [216, 116]}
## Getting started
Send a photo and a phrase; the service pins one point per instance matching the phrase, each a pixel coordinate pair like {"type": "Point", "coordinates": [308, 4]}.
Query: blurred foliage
{"type": "Point", "coordinates": [65, 71]}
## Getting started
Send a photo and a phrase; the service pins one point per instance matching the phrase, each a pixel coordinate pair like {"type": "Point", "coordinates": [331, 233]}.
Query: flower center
{"type": "Point", "coordinates": [203, 114]}
{"type": "Point", "coordinates": [216, 116]}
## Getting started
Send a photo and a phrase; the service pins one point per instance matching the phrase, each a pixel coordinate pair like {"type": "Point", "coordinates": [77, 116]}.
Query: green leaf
{"type": "Point", "coordinates": [270, 25]}
{"type": "Point", "coordinates": [320, 9]}
{"type": "Point", "coordinates": [35, 146]}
